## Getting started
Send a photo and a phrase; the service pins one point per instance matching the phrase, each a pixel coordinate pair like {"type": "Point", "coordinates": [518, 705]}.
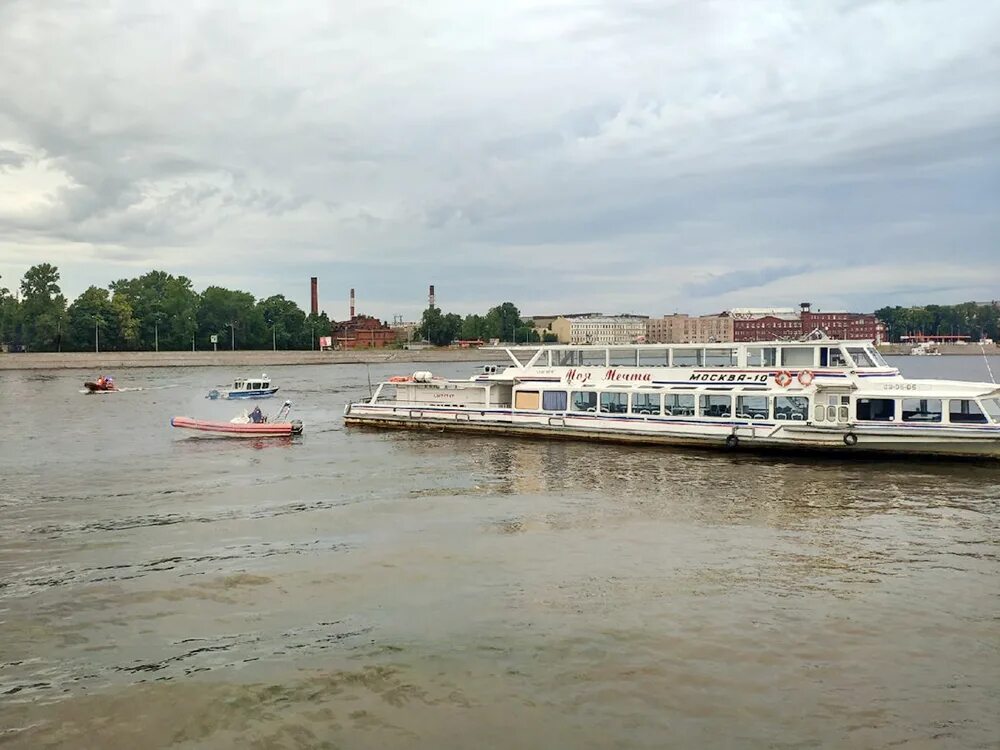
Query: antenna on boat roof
{"type": "Point", "coordinates": [369, 371]}
{"type": "Point", "coordinates": [986, 359]}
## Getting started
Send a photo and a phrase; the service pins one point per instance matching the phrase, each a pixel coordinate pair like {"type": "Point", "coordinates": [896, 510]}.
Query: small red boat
{"type": "Point", "coordinates": [100, 385]}
{"type": "Point", "coordinates": [252, 425]}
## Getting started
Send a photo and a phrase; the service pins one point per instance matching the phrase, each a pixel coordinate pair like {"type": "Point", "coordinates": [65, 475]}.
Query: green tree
{"type": "Point", "coordinates": [284, 321]}
{"type": "Point", "coordinates": [165, 308]}
{"type": "Point", "coordinates": [95, 318]}
{"type": "Point", "coordinates": [42, 308]}
{"type": "Point", "coordinates": [437, 328]}
{"type": "Point", "coordinates": [9, 317]}
{"type": "Point", "coordinates": [502, 322]}
{"type": "Point", "coordinates": [233, 317]}
{"type": "Point", "coordinates": [474, 327]}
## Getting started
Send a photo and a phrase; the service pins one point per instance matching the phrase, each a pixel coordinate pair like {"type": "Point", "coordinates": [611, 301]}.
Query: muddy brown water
{"type": "Point", "coordinates": [361, 589]}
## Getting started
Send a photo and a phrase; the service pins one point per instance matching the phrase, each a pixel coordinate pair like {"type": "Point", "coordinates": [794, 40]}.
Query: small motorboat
{"type": "Point", "coordinates": [103, 384]}
{"type": "Point", "coordinates": [254, 424]}
{"type": "Point", "coordinates": [246, 388]}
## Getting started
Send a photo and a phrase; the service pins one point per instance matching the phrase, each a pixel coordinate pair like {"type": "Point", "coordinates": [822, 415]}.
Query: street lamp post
{"type": "Point", "coordinates": [274, 344]}
{"type": "Point", "coordinates": [97, 337]}
{"type": "Point", "coordinates": [232, 329]}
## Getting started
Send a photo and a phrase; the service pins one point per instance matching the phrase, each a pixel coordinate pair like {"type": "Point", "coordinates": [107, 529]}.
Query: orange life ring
{"type": "Point", "coordinates": [783, 378]}
{"type": "Point", "coordinates": [806, 377]}
{"type": "Point", "coordinates": [399, 379]}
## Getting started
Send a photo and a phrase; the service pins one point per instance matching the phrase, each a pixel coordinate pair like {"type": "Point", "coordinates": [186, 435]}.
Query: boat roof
{"type": "Point", "coordinates": [711, 345]}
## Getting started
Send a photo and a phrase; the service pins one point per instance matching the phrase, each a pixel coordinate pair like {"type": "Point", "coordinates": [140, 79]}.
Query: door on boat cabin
{"type": "Point", "coordinates": [832, 407]}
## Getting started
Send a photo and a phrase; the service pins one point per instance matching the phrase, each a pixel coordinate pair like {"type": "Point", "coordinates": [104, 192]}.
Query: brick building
{"type": "Point", "coordinates": [754, 324]}
{"type": "Point", "coordinates": [362, 332]}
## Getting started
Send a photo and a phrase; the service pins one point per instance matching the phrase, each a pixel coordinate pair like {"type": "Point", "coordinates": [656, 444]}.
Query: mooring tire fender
{"type": "Point", "coordinates": [732, 441]}
{"type": "Point", "coordinates": [850, 439]}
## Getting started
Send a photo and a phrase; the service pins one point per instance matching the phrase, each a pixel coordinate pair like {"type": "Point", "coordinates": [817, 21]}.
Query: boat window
{"type": "Point", "coordinates": [762, 356]}
{"type": "Point", "coordinates": [965, 411]}
{"type": "Point", "coordinates": [992, 407]}
{"type": "Point", "coordinates": [654, 357]}
{"type": "Point", "coordinates": [832, 356]}
{"type": "Point", "coordinates": [876, 357]}
{"type": "Point", "coordinates": [875, 409]}
{"type": "Point", "coordinates": [678, 404]}
{"type": "Point", "coordinates": [584, 400]}
{"type": "Point", "coordinates": [716, 406]}
{"type": "Point", "coordinates": [921, 410]}
{"type": "Point", "coordinates": [614, 403]}
{"type": "Point", "coordinates": [594, 359]}
{"type": "Point", "coordinates": [255, 386]}
{"type": "Point", "coordinates": [797, 356]}
{"type": "Point", "coordinates": [720, 357]}
{"type": "Point", "coordinates": [795, 408]}
{"type": "Point", "coordinates": [688, 358]}
{"type": "Point", "coordinates": [554, 400]}
{"type": "Point", "coordinates": [645, 403]}
{"type": "Point", "coordinates": [526, 400]}
{"type": "Point", "coordinates": [623, 357]}
{"type": "Point", "coordinates": [860, 356]}
{"type": "Point", "coordinates": [752, 407]}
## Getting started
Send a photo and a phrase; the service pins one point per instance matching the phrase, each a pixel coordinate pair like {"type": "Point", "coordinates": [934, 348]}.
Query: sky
{"type": "Point", "coordinates": [566, 155]}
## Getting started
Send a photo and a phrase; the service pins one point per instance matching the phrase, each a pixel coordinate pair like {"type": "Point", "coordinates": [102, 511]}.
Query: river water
{"type": "Point", "coordinates": [361, 589]}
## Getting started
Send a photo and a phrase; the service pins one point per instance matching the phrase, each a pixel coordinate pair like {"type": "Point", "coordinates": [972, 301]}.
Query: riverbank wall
{"type": "Point", "coordinates": [109, 361]}
{"type": "Point", "coordinates": [950, 349]}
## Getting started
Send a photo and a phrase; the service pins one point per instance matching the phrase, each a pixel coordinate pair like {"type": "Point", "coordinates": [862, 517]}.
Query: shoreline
{"type": "Point", "coordinates": [249, 359]}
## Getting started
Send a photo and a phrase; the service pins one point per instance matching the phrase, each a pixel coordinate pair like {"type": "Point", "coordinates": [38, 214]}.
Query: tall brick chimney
{"type": "Point", "coordinates": [430, 296]}
{"type": "Point", "coordinates": [352, 304]}
{"type": "Point", "coordinates": [314, 288]}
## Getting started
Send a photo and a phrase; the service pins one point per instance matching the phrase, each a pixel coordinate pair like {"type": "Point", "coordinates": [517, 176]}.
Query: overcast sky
{"type": "Point", "coordinates": [563, 154]}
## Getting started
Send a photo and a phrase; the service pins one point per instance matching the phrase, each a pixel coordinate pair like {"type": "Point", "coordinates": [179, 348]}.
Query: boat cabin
{"type": "Point", "coordinates": [262, 383]}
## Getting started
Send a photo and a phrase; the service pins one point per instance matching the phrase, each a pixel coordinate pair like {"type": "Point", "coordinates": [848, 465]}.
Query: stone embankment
{"type": "Point", "coordinates": [251, 359]}
{"type": "Point", "coordinates": [973, 349]}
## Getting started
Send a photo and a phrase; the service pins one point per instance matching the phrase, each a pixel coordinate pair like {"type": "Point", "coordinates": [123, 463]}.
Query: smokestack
{"type": "Point", "coordinates": [352, 304]}
{"type": "Point", "coordinates": [314, 288]}
{"type": "Point", "coordinates": [430, 297]}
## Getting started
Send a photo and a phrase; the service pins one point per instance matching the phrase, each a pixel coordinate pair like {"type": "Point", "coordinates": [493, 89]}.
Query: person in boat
{"type": "Point", "coordinates": [256, 416]}
{"type": "Point", "coordinates": [99, 382]}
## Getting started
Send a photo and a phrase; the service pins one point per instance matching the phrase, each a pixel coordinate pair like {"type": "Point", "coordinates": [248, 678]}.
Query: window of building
{"type": "Point", "coordinates": [554, 400]}
{"type": "Point", "coordinates": [965, 411]}
{"type": "Point", "coordinates": [678, 404]}
{"type": "Point", "coordinates": [720, 357]}
{"type": "Point", "coordinates": [614, 403]}
{"type": "Point", "coordinates": [645, 403]}
{"type": "Point", "coordinates": [797, 356]}
{"type": "Point", "coordinates": [761, 356]}
{"type": "Point", "coordinates": [795, 408]}
{"type": "Point", "coordinates": [526, 400]}
{"type": "Point", "coordinates": [921, 410]}
{"type": "Point", "coordinates": [752, 407]}
{"type": "Point", "coordinates": [688, 358]}
{"type": "Point", "coordinates": [716, 406]}
{"type": "Point", "coordinates": [584, 401]}
{"type": "Point", "coordinates": [876, 409]}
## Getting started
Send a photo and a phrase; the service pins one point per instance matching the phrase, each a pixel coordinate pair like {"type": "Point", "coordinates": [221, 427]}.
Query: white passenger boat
{"type": "Point", "coordinates": [820, 395]}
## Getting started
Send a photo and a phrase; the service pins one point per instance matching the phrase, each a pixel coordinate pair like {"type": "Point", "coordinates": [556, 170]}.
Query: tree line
{"type": "Point", "coordinates": [502, 322]}
{"type": "Point", "coordinates": [972, 319]}
{"type": "Point", "coordinates": [154, 311]}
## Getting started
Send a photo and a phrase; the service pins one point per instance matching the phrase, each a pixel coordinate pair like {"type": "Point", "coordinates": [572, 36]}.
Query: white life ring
{"type": "Point", "coordinates": [806, 377]}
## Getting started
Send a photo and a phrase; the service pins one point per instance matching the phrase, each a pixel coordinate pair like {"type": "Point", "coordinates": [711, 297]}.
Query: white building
{"type": "Point", "coordinates": [601, 329]}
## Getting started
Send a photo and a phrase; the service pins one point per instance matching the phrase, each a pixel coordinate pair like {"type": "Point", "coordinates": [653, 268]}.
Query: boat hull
{"type": "Point", "coordinates": [95, 388]}
{"type": "Point", "coordinates": [852, 440]}
{"type": "Point", "coordinates": [238, 430]}
{"type": "Point", "coordinates": [249, 395]}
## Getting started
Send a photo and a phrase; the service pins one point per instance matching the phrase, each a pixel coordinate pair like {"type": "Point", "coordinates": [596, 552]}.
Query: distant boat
{"type": "Point", "coordinates": [101, 385]}
{"type": "Point", "coordinates": [252, 388]}
{"type": "Point", "coordinates": [925, 349]}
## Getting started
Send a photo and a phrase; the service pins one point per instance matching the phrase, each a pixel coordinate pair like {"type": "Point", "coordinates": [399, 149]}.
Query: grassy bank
{"type": "Point", "coordinates": [250, 359]}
